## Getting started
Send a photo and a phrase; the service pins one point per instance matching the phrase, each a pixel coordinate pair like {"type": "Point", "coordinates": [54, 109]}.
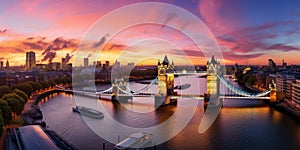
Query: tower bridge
{"type": "Point", "coordinates": [217, 86]}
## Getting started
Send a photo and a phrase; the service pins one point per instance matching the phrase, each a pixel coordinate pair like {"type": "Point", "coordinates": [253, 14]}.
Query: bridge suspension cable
{"type": "Point", "coordinates": [105, 91]}
{"type": "Point", "coordinates": [239, 91]}
{"type": "Point", "coordinates": [144, 88]}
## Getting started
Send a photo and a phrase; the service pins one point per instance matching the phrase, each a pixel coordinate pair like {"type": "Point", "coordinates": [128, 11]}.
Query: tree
{"type": "Point", "coordinates": [21, 94]}
{"type": "Point", "coordinates": [15, 96]}
{"type": "Point", "coordinates": [4, 90]}
{"type": "Point", "coordinates": [44, 84]}
{"type": "Point", "coordinates": [51, 83]}
{"type": "Point", "coordinates": [15, 106]}
{"type": "Point", "coordinates": [26, 87]}
{"type": "Point", "coordinates": [33, 85]}
{"type": "Point", "coordinates": [6, 111]}
{"type": "Point", "coordinates": [1, 124]}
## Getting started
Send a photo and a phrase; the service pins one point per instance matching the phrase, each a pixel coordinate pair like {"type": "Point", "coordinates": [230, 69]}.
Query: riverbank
{"type": "Point", "coordinates": [283, 106]}
{"type": "Point", "coordinates": [32, 115]}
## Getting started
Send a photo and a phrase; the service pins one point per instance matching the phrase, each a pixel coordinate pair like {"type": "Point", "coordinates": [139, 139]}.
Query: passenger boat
{"type": "Point", "coordinates": [88, 112]}
{"type": "Point", "coordinates": [135, 141]}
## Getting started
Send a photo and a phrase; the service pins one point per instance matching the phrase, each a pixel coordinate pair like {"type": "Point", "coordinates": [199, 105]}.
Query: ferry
{"type": "Point", "coordinates": [88, 112]}
{"type": "Point", "coordinates": [136, 141]}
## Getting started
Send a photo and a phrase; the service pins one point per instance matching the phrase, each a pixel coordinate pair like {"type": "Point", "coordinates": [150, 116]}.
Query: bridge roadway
{"type": "Point", "coordinates": [195, 96]}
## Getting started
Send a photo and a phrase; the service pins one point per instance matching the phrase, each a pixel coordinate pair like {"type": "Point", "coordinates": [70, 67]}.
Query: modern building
{"type": "Point", "coordinates": [271, 65]}
{"type": "Point", "coordinates": [296, 93]}
{"type": "Point", "coordinates": [284, 64]}
{"type": "Point", "coordinates": [86, 62]}
{"type": "Point", "coordinates": [289, 88]}
{"type": "Point", "coordinates": [1, 65]}
{"type": "Point", "coordinates": [98, 64]}
{"type": "Point", "coordinates": [281, 82]}
{"type": "Point", "coordinates": [7, 64]}
{"type": "Point", "coordinates": [107, 64]}
{"type": "Point", "coordinates": [63, 63]}
{"type": "Point", "coordinates": [30, 60]}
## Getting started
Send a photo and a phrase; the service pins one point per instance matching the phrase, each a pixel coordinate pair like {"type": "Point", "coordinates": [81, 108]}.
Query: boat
{"type": "Point", "coordinates": [88, 112]}
{"type": "Point", "coordinates": [182, 87]}
{"type": "Point", "coordinates": [135, 141]}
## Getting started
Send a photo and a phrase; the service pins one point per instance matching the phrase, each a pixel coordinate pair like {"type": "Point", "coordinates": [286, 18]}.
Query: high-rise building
{"type": "Point", "coordinates": [281, 82]}
{"type": "Point", "coordinates": [86, 62]}
{"type": "Point", "coordinates": [1, 65]}
{"type": "Point", "coordinates": [107, 64]}
{"type": "Point", "coordinates": [30, 60]}
{"type": "Point", "coordinates": [271, 65]}
{"type": "Point", "coordinates": [284, 64]}
{"type": "Point", "coordinates": [98, 64]}
{"type": "Point", "coordinates": [7, 64]}
{"type": "Point", "coordinates": [63, 63]}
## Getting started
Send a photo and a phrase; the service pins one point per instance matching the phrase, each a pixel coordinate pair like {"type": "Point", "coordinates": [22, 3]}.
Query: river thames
{"type": "Point", "coordinates": [241, 124]}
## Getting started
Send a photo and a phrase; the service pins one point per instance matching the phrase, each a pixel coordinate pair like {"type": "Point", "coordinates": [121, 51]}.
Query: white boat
{"type": "Point", "coordinates": [88, 112]}
{"type": "Point", "coordinates": [135, 141]}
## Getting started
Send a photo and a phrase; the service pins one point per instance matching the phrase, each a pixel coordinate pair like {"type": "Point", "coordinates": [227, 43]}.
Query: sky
{"type": "Point", "coordinates": [247, 32]}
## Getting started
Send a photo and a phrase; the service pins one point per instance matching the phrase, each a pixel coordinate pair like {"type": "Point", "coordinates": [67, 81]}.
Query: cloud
{"type": "Point", "coordinates": [3, 31]}
{"type": "Point", "coordinates": [56, 45]}
{"type": "Point", "coordinates": [49, 54]}
{"type": "Point", "coordinates": [11, 49]}
{"type": "Point", "coordinates": [100, 42]}
{"type": "Point", "coordinates": [283, 47]}
{"type": "Point", "coordinates": [117, 46]}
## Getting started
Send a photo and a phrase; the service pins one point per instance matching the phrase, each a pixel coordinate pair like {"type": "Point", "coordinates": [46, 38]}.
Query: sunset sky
{"type": "Point", "coordinates": [248, 31]}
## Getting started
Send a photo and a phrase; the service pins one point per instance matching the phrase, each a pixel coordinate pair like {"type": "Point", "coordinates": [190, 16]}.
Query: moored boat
{"type": "Point", "coordinates": [88, 112]}
{"type": "Point", "coordinates": [135, 141]}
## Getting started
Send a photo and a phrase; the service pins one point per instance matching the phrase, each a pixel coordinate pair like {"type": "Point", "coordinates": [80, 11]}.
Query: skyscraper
{"type": "Point", "coordinates": [86, 62]}
{"type": "Point", "coordinates": [1, 65]}
{"type": "Point", "coordinates": [7, 64]}
{"type": "Point", "coordinates": [30, 60]}
{"type": "Point", "coordinates": [63, 63]}
{"type": "Point", "coordinates": [107, 65]}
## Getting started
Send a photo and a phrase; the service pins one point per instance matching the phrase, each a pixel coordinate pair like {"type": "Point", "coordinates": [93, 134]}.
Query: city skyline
{"type": "Point", "coordinates": [247, 32]}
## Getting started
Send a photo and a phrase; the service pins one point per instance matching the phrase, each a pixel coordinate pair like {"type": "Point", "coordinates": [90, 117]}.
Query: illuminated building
{"type": "Point", "coordinates": [165, 77]}
{"type": "Point", "coordinates": [212, 67]}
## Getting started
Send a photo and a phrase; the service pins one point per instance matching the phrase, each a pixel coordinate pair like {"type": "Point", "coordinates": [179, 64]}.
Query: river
{"type": "Point", "coordinates": [241, 124]}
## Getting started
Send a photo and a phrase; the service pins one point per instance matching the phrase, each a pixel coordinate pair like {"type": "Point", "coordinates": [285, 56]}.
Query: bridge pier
{"type": "Point", "coordinates": [162, 100]}
{"type": "Point", "coordinates": [213, 99]}
{"type": "Point", "coordinates": [124, 98]}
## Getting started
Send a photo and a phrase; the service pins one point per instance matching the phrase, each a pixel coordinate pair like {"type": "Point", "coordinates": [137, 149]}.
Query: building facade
{"type": "Point", "coordinates": [296, 93]}
{"type": "Point", "coordinates": [212, 67]}
{"type": "Point", "coordinates": [30, 60]}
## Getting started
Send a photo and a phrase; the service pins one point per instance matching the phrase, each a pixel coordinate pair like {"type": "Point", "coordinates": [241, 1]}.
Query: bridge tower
{"type": "Point", "coordinates": [212, 68]}
{"type": "Point", "coordinates": [118, 95]}
{"type": "Point", "coordinates": [272, 88]}
{"type": "Point", "coordinates": [165, 83]}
